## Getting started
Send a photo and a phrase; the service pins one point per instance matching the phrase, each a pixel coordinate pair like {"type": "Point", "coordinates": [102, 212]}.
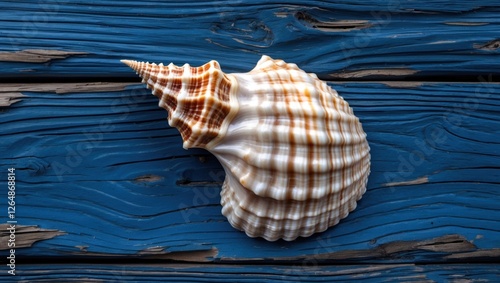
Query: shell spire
{"type": "Point", "coordinates": [200, 100]}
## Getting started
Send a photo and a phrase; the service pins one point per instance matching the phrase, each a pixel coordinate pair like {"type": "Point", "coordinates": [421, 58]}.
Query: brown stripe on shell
{"type": "Point", "coordinates": [272, 215]}
{"type": "Point", "coordinates": [197, 98]}
{"type": "Point", "coordinates": [274, 141]}
{"type": "Point", "coordinates": [289, 97]}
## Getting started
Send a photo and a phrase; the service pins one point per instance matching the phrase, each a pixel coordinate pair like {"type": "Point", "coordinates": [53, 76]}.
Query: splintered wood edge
{"type": "Point", "coordinates": [331, 26]}
{"type": "Point", "coordinates": [489, 46]}
{"type": "Point", "coordinates": [376, 73]}
{"type": "Point", "coordinates": [187, 256]}
{"type": "Point", "coordinates": [37, 55]}
{"type": "Point", "coordinates": [418, 181]}
{"type": "Point", "coordinates": [456, 245]}
{"type": "Point", "coordinates": [62, 88]}
{"type": "Point", "coordinates": [9, 98]}
{"type": "Point", "coordinates": [25, 236]}
{"type": "Point", "coordinates": [12, 93]}
{"type": "Point", "coordinates": [156, 253]}
{"type": "Point", "coordinates": [445, 244]}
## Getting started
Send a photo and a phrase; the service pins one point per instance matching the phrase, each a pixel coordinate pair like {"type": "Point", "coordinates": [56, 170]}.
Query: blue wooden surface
{"type": "Point", "coordinates": [260, 273]}
{"type": "Point", "coordinates": [101, 175]}
{"type": "Point", "coordinates": [104, 168]}
{"type": "Point", "coordinates": [337, 38]}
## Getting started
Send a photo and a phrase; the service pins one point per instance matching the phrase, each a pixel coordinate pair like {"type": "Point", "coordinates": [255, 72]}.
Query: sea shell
{"type": "Point", "coordinates": [296, 158]}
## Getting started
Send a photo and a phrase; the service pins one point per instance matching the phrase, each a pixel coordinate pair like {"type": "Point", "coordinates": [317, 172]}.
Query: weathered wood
{"type": "Point", "coordinates": [104, 168]}
{"type": "Point", "coordinates": [25, 235]}
{"type": "Point", "coordinates": [102, 179]}
{"type": "Point", "coordinates": [346, 39]}
{"type": "Point", "coordinates": [8, 98]}
{"type": "Point", "coordinates": [61, 88]}
{"type": "Point", "coordinates": [306, 271]}
{"type": "Point", "coordinates": [36, 55]}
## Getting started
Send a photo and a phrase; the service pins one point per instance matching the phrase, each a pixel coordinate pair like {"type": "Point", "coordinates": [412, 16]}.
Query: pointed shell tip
{"type": "Point", "coordinates": [127, 62]}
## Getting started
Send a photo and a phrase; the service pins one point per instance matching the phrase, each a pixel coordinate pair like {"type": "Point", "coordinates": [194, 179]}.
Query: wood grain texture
{"type": "Point", "coordinates": [25, 235]}
{"type": "Point", "coordinates": [105, 168]}
{"type": "Point", "coordinates": [337, 39]}
{"type": "Point", "coordinates": [36, 55]}
{"type": "Point", "coordinates": [102, 179]}
{"type": "Point", "coordinates": [306, 272]}
{"type": "Point", "coordinates": [8, 98]}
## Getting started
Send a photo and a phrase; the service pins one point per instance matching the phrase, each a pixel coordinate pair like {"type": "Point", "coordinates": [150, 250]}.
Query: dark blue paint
{"type": "Point", "coordinates": [105, 168]}
{"type": "Point", "coordinates": [256, 273]}
{"type": "Point", "coordinates": [99, 203]}
{"type": "Point", "coordinates": [423, 37]}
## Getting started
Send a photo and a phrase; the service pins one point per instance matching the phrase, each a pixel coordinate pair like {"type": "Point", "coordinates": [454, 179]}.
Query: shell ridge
{"type": "Point", "coordinates": [234, 109]}
{"type": "Point", "coordinates": [295, 156]}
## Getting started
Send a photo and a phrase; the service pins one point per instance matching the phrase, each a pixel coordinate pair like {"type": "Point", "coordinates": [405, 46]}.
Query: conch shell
{"type": "Point", "coordinates": [296, 158]}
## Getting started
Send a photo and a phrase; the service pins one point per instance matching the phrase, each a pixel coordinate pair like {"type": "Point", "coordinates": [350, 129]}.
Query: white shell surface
{"type": "Point", "coordinates": [296, 158]}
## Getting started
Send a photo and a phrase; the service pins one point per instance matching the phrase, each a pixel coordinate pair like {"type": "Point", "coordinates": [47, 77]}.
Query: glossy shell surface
{"type": "Point", "coordinates": [296, 157]}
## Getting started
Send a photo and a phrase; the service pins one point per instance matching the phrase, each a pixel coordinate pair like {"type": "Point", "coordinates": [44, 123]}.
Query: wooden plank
{"type": "Point", "coordinates": [101, 170]}
{"type": "Point", "coordinates": [337, 39]}
{"type": "Point", "coordinates": [300, 272]}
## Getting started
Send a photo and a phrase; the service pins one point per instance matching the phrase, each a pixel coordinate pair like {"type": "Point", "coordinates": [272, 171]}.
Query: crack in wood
{"type": "Point", "coordinates": [450, 244]}
{"type": "Point", "coordinates": [12, 93]}
{"type": "Point", "coordinates": [148, 179]}
{"type": "Point", "coordinates": [188, 256]}
{"type": "Point", "coordinates": [156, 253]}
{"type": "Point", "coordinates": [466, 23]}
{"type": "Point", "coordinates": [62, 88]}
{"type": "Point", "coordinates": [490, 46]}
{"type": "Point", "coordinates": [37, 55]}
{"type": "Point", "coordinates": [26, 235]}
{"type": "Point", "coordinates": [480, 254]}
{"type": "Point", "coordinates": [331, 26]}
{"type": "Point", "coordinates": [447, 244]}
{"type": "Point", "coordinates": [375, 74]}
{"type": "Point", "coordinates": [421, 180]}
{"type": "Point", "coordinates": [9, 98]}
{"type": "Point", "coordinates": [189, 183]}
{"type": "Point", "coordinates": [403, 84]}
